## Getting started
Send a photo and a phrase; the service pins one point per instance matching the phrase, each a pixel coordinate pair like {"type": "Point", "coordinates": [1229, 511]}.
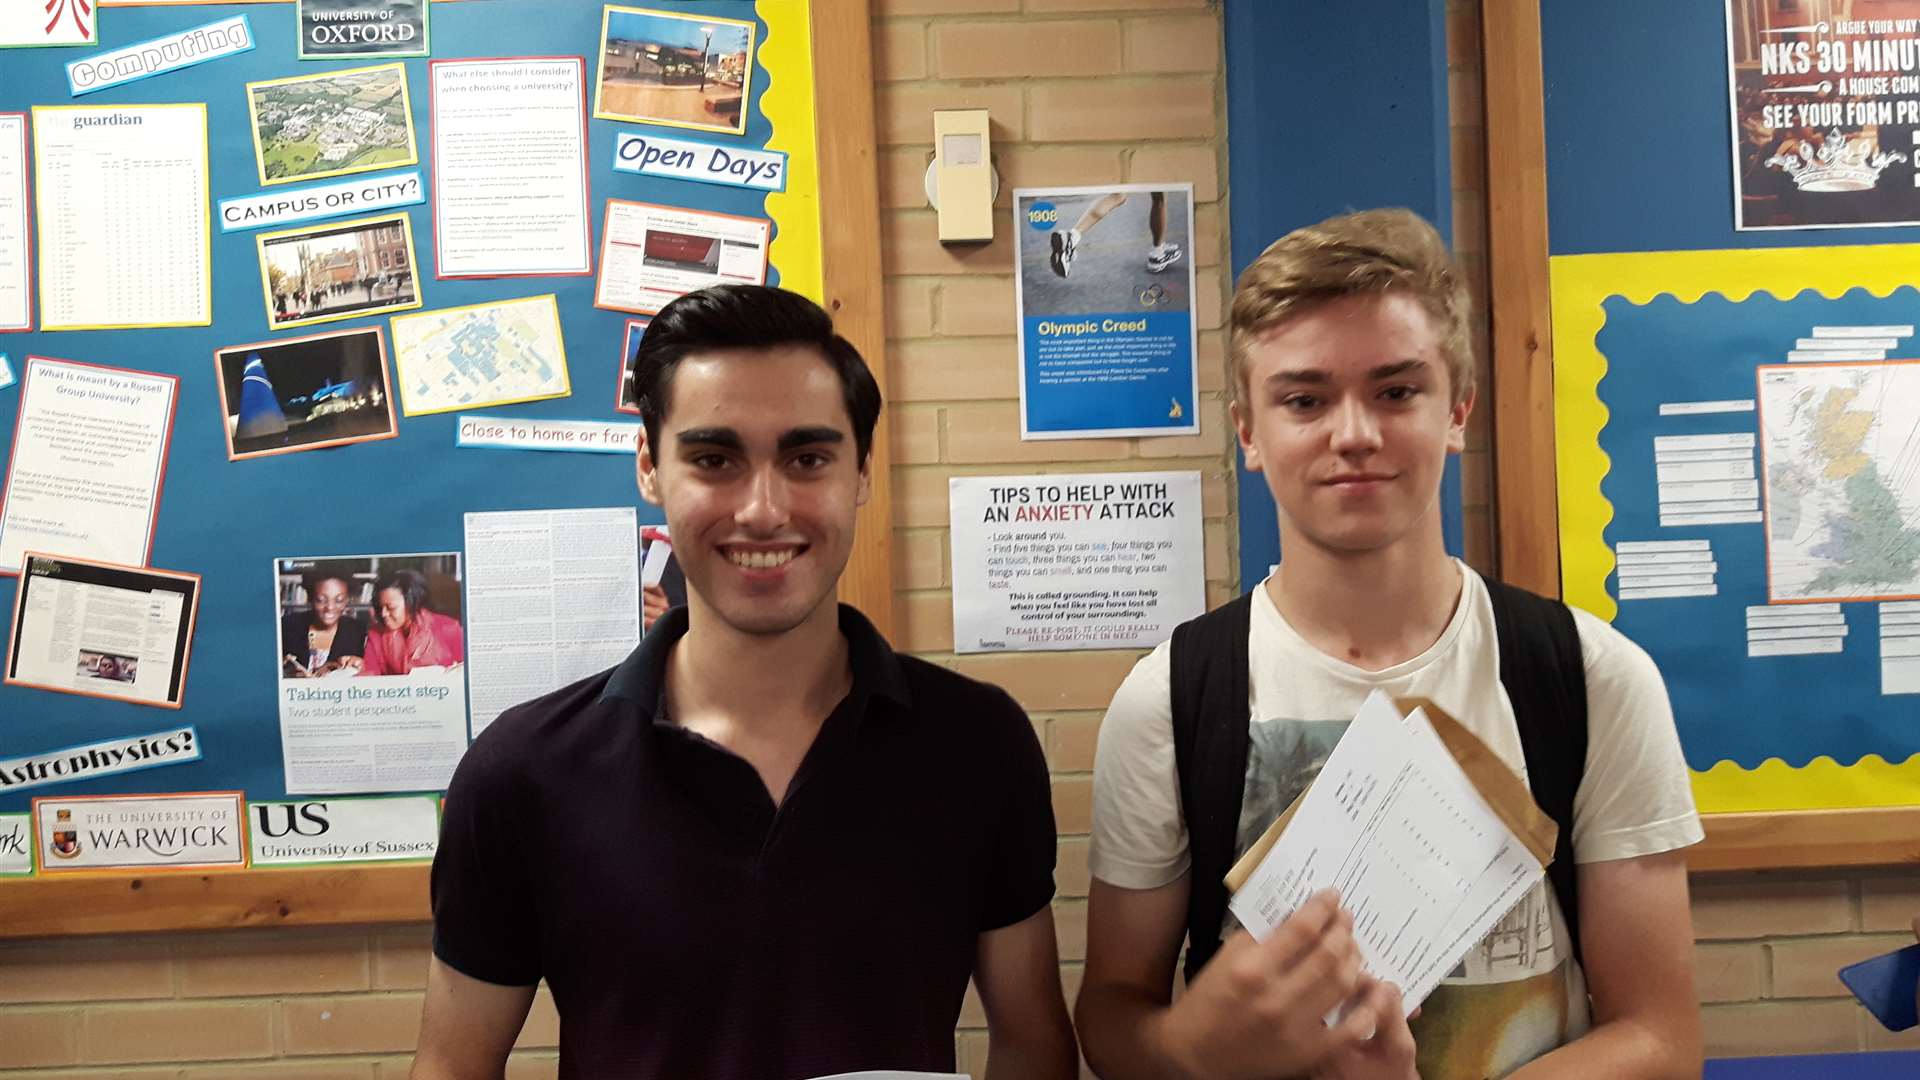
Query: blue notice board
{"type": "Point", "coordinates": [227, 521]}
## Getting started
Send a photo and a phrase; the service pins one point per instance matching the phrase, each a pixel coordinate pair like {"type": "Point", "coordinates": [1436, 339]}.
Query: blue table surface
{"type": "Point", "coordinates": [1883, 1065]}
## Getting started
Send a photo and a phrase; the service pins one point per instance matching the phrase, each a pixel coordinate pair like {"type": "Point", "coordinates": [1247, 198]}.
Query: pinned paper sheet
{"type": "Point", "coordinates": [16, 845]}
{"type": "Point", "coordinates": [383, 192]}
{"type": "Point", "coordinates": [520, 642]}
{"type": "Point", "coordinates": [680, 159]}
{"type": "Point", "coordinates": [659, 553]}
{"type": "Point", "coordinates": [16, 246]}
{"type": "Point", "coordinates": [1428, 836]}
{"type": "Point", "coordinates": [578, 436]}
{"type": "Point", "coordinates": [181, 49]}
{"type": "Point", "coordinates": [59, 22]}
{"type": "Point", "coordinates": [174, 746]}
{"type": "Point", "coordinates": [115, 179]}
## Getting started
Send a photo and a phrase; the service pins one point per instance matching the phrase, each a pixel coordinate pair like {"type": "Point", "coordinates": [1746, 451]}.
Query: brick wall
{"type": "Point", "coordinates": [242, 1005]}
{"type": "Point", "coordinates": [1769, 944]}
{"type": "Point", "coordinates": [1082, 92]}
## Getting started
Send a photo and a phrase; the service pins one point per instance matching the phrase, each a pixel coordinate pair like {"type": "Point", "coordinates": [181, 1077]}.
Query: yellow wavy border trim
{"type": "Point", "coordinates": [1580, 284]}
{"type": "Point", "coordinates": [787, 54]}
{"type": "Point", "coordinates": [1872, 781]}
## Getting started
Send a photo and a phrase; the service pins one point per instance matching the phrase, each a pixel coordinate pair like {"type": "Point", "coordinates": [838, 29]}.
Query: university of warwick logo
{"type": "Point", "coordinates": [66, 840]}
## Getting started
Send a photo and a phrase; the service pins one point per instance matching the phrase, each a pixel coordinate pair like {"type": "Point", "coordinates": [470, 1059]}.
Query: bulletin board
{"type": "Point", "coordinates": [227, 521]}
{"type": "Point", "coordinates": [1730, 480]}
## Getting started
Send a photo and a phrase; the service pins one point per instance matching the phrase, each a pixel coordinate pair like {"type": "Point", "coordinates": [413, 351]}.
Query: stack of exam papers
{"type": "Point", "coordinates": [1426, 857]}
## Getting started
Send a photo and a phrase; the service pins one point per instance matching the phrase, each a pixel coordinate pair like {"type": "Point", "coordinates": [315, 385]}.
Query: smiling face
{"type": "Point", "coordinates": [1348, 412]}
{"type": "Point", "coordinates": [329, 602]}
{"type": "Point", "coordinates": [760, 479]}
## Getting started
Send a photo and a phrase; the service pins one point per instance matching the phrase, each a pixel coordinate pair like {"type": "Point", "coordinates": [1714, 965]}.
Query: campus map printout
{"type": "Point", "coordinates": [1841, 446]}
{"type": "Point", "coordinates": [486, 354]}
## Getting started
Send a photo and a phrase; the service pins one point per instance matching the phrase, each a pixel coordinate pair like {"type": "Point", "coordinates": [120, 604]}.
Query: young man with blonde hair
{"type": "Point", "coordinates": [1353, 380]}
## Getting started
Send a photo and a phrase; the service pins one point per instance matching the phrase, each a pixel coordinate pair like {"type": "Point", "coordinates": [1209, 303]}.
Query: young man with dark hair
{"type": "Point", "coordinates": [765, 846]}
{"type": "Point", "coordinates": [1354, 380]}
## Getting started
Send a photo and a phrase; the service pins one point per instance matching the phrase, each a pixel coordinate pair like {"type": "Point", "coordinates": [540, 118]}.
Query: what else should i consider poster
{"type": "Point", "coordinates": [1093, 561]}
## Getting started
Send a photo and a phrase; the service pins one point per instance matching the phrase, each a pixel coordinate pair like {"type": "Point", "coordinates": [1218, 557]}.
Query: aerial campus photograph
{"type": "Point", "coordinates": [325, 125]}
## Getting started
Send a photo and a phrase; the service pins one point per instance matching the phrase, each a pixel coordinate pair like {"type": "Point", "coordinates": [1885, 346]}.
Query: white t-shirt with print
{"type": "Point", "coordinates": [1518, 994]}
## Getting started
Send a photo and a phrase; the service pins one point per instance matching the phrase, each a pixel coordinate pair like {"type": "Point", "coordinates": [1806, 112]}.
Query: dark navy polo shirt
{"type": "Point", "coordinates": [690, 930]}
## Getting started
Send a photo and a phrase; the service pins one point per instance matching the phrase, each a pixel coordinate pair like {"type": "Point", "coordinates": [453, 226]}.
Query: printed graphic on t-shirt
{"type": "Point", "coordinates": [1509, 1001]}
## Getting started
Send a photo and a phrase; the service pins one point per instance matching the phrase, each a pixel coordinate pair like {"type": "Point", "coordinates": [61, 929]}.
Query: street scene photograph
{"type": "Point", "coordinates": [339, 271]}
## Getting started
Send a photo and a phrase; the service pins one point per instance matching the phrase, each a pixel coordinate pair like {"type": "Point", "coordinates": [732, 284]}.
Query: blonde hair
{"type": "Point", "coordinates": [1367, 252]}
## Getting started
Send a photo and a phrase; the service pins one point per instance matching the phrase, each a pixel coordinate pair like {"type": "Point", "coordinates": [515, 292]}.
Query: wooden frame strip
{"type": "Point", "coordinates": [1805, 839]}
{"type": "Point", "coordinates": [850, 250]}
{"type": "Point", "coordinates": [1521, 312]}
{"type": "Point", "coordinates": [117, 904]}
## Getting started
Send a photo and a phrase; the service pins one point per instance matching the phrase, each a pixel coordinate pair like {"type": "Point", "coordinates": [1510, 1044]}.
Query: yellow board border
{"type": "Point", "coordinates": [553, 309]}
{"type": "Point", "coordinates": [266, 281]}
{"type": "Point", "coordinates": [1580, 285]}
{"type": "Point", "coordinates": [787, 54]}
{"type": "Point", "coordinates": [746, 83]}
{"type": "Point", "coordinates": [406, 105]}
{"type": "Point", "coordinates": [40, 204]}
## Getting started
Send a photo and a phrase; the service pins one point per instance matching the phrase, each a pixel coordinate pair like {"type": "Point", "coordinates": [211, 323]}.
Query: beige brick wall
{"type": "Point", "coordinates": [243, 1005]}
{"type": "Point", "coordinates": [1082, 92]}
{"type": "Point", "coordinates": [1767, 949]}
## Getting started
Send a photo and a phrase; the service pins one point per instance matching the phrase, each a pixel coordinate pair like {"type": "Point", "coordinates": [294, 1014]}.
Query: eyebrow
{"type": "Point", "coordinates": [1318, 377]}
{"type": "Point", "coordinates": [729, 439]}
{"type": "Point", "coordinates": [725, 438]}
{"type": "Point", "coordinates": [809, 436]}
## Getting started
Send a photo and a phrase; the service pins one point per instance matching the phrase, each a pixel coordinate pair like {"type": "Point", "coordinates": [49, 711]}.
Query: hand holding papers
{"type": "Point", "coordinates": [1257, 1009]}
{"type": "Point", "coordinates": [1427, 836]}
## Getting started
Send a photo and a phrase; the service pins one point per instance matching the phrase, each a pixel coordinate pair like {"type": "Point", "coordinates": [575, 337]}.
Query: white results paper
{"type": "Point", "coordinates": [552, 597]}
{"type": "Point", "coordinates": [124, 223]}
{"type": "Point", "coordinates": [1423, 863]}
{"type": "Point", "coordinates": [510, 167]}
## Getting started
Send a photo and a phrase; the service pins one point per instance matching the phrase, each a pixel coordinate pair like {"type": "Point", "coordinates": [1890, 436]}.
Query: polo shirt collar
{"type": "Point", "coordinates": [641, 677]}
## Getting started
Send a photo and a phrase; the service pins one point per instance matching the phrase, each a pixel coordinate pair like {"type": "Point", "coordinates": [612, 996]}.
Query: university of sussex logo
{"type": "Point", "coordinates": [66, 841]}
{"type": "Point", "coordinates": [305, 819]}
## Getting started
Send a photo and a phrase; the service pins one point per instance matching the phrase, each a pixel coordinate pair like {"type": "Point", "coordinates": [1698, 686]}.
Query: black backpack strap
{"type": "Point", "coordinates": [1546, 680]}
{"type": "Point", "coordinates": [1207, 684]}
